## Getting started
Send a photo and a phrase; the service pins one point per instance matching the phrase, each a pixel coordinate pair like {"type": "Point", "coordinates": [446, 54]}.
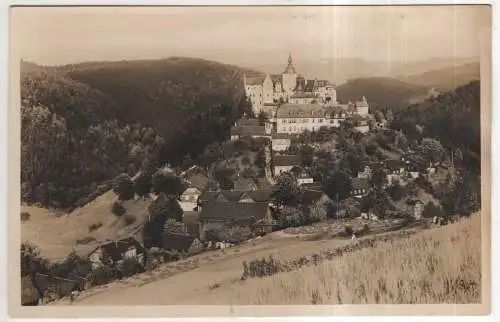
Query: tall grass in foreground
{"type": "Point", "coordinates": [442, 265]}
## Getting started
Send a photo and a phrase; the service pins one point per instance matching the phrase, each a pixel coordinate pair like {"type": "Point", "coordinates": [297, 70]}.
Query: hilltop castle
{"type": "Point", "coordinates": [289, 87]}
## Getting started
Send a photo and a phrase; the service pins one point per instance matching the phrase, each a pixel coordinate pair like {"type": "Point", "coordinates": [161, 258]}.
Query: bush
{"type": "Point", "coordinates": [129, 219]}
{"type": "Point", "coordinates": [85, 240]}
{"type": "Point", "coordinates": [397, 192]}
{"type": "Point", "coordinates": [126, 190]}
{"type": "Point", "coordinates": [130, 266]}
{"type": "Point", "coordinates": [431, 210]}
{"type": "Point", "coordinates": [25, 216]}
{"type": "Point", "coordinates": [348, 231]}
{"type": "Point", "coordinates": [354, 212]}
{"type": "Point", "coordinates": [261, 268]}
{"type": "Point", "coordinates": [94, 226]}
{"type": "Point", "coordinates": [118, 209]}
{"type": "Point", "coordinates": [143, 184]}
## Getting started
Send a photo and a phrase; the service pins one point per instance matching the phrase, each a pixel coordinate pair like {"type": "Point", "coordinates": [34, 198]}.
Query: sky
{"type": "Point", "coordinates": [246, 35]}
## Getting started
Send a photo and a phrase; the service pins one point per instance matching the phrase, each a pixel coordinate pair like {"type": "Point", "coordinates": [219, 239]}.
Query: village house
{"type": "Point", "coordinates": [297, 118]}
{"type": "Point", "coordinates": [395, 170]}
{"type": "Point", "coordinates": [253, 131]}
{"type": "Point", "coordinates": [280, 141]}
{"type": "Point", "coordinates": [177, 242]}
{"type": "Point", "coordinates": [316, 198]}
{"type": "Point", "coordinates": [52, 287]}
{"type": "Point", "coordinates": [416, 208]}
{"type": "Point", "coordinates": [222, 216]}
{"type": "Point", "coordinates": [112, 253]}
{"type": "Point", "coordinates": [359, 187]}
{"type": "Point", "coordinates": [362, 107]}
{"type": "Point", "coordinates": [366, 172]}
{"type": "Point", "coordinates": [189, 199]}
{"type": "Point", "coordinates": [190, 222]}
{"type": "Point", "coordinates": [336, 115]}
{"type": "Point", "coordinates": [285, 163]}
{"type": "Point", "coordinates": [304, 177]}
{"type": "Point", "coordinates": [198, 181]}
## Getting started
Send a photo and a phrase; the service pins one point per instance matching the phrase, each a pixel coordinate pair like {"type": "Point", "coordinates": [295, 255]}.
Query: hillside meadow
{"type": "Point", "coordinates": [436, 266]}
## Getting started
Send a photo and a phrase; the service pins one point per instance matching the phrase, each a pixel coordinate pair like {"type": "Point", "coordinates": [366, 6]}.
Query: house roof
{"type": "Point", "coordinates": [300, 111]}
{"type": "Point", "coordinates": [232, 195]}
{"type": "Point", "coordinates": [263, 195]}
{"type": "Point", "coordinates": [258, 80]}
{"type": "Point", "coordinates": [276, 77]}
{"type": "Point", "coordinates": [287, 160]}
{"type": "Point", "coordinates": [394, 164]}
{"type": "Point", "coordinates": [63, 286]}
{"type": "Point", "coordinates": [233, 210]}
{"type": "Point", "coordinates": [334, 109]}
{"type": "Point", "coordinates": [29, 293]}
{"type": "Point", "coordinates": [190, 217]}
{"type": "Point", "coordinates": [322, 83]}
{"type": "Point", "coordinates": [262, 183]}
{"type": "Point", "coordinates": [247, 122]}
{"type": "Point", "coordinates": [311, 196]}
{"type": "Point", "coordinates": [280, 136]}
{"type": "Point", "coordinates": [115, 249]}
{"type": "Point", "coordinates": [244, 184]}
{"type": "Point", "coordinates": [178, 242]}
{"type": "Point", "coordinates": [360, 183]}
{"type": "Point", "coordinates": [304, 95]}
{"type": "Point", "coordinates": [207, 196]}
{"type": "Point", "coordinates": [312, 186]}
{"type": "Point", "coordinates": [248, 130]}
{"type": "Point", "coordinates": [198, 181]}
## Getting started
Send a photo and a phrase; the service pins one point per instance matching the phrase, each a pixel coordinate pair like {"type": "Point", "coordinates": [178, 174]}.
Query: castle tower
{"type": "Point", "coordinates": [289, 76]}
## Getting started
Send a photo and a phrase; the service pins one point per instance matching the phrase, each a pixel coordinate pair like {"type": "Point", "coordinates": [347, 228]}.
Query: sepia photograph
{"type": "Point", "coordinates": [243, 157]}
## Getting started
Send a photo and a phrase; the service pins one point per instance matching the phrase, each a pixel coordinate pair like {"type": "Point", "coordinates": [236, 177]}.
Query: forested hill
{"type": "Point", "coordinates": [452, 117]}
{"type": "Point", "coordinates": [84, 124]}
{"type": "Point", "coordinates": [381, 92]}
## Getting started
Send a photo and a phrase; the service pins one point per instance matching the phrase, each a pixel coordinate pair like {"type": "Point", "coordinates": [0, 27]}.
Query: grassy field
{"type": "Point", "coordinates": [436, 266]}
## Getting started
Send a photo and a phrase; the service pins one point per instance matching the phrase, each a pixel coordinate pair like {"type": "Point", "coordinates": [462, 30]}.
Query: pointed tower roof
{"type": "Point", "coordinates": [290, 69]}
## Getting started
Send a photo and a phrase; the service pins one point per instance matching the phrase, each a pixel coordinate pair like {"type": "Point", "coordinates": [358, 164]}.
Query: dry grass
{"type": "Point", "coordinates": [437, 266]}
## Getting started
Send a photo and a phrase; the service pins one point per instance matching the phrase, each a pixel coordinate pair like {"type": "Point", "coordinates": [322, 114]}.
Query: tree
{"type": "Point", "coordinates": [431, 210]}
{"type": "Point", "coordinates": [161, 210]}
{"type": "Point", "coordinates": [223, 175]}
{"type": "Point", "coordinates": [143, 184]}
{"type": "Point", "coordinates": [126, 190]}
{"type": "Point", "coordinates": [379, 177]}
{"type": "Point", "coordinates": [288, 192]}
{"type": "Point", "coordinates": [338, 186]}
{"type": "Point", "coordinates": [306, 153]}
{"type": "Point", "coordinates": [396, 191]}
{"type": "Point", "coordinates": [262, 117]}
{"type": "Point", "coordinates": [431, 150]}
{"type": "Point", "coordinates": [168, 184]}
{"type": "Point", "coordinates": [43, 134]}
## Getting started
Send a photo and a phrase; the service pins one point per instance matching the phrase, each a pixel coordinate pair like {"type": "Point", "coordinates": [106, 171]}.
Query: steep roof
{"type": "Point", "coordinates": [312, 186]}
{"type": "Point", "coordinates": [300, 110]}
{"type": "Point", "coordinates": [334, 109]}
{"type": "Point", "coordinates": [116, 249]}
{"type": "Point", "coordinates": [262, 183]}
{"type": "Point", "coordinates": [244, 184]}
{"type": "Point", "coordinates": [199, 181]}
{"type": "Point", "coordinates": [232, 195]}
{"type": "Point", "coordinates": [207, 196]}
{"type": "Point", "coordinates": [262, 195]}
{"type": "Point", "coordinates": [247, 122]}
{"type": "Point", "coordinates": [394, 164]}
{"type": "Point", "coordinates": [248, 130]}
{"type": "Point", "coordinates": [311, 196]}
{"type": "Point", "coordinates": [321, 83]}
{"type": "Point", "coordinates": [280, 136]}
{"type": "Point", "coordinates": [259, 80]}
{"type": "Point", "coordinates": [287, 160]}
{"type": "Point", "coordinates": [189, 217]}
{"type": "Point", "coordinates": [178, 242]}
{"type": "Point", "coordinates": [233, 210]}
{"type": "Point", "coordinates": [360, 183]}
{"type": "Point", "coordinates": [304, 95]}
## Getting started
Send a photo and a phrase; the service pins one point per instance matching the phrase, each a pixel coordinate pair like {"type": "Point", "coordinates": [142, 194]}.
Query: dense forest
{"type": "Point", "coordinates": [85, 124]}
{"type": "Point", "coordinates": [452, 117]}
